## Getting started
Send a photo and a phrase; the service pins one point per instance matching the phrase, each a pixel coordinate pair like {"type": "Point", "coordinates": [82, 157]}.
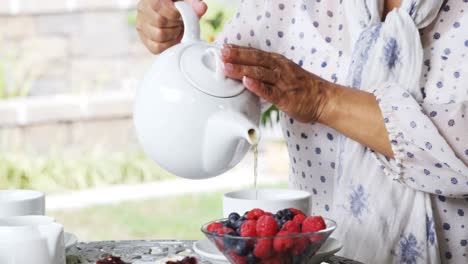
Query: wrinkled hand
{"type": "Point", "coordinates": [295, 91]}
{"type": "Point", "coordinates": [159, 24]}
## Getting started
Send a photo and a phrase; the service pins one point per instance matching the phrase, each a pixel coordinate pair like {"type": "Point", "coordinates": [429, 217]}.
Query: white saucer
{"type": "Point", "coordinates": [70, 240]}
{"type": "Point", "coordinates": [209, 251]}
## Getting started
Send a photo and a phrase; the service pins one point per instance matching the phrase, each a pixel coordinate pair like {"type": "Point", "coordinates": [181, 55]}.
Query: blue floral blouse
{"type": "Point", "coordinates": [411, 209]}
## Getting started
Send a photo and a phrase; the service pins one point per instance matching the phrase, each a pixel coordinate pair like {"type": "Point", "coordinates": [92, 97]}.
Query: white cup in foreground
{"type": "Point", "coordinates": [271, 200]}
{"type": "Point", "coordinates": [21, 202]}
{"type": "Point", "coordinates": [31, 239]}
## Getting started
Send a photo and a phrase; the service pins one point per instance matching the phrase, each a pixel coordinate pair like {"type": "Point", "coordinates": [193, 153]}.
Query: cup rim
{"type": "Point", "coordinates": [300, 195]}
{"type": "Point", "coordinates": [19, 195]}
{"type": "Point", "coordinates": [329, 229]}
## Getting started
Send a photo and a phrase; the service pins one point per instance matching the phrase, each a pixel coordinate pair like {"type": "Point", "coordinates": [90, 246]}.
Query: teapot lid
{"type": "Point", "coordinates": [202, 66]}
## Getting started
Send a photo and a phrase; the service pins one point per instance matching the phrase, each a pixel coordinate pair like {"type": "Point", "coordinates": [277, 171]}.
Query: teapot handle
{"type": "Point", "coordinates": [191, 22]}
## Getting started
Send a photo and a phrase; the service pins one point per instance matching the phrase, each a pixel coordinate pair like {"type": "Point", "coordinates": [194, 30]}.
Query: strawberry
{"type": "Point", "coordinates": [296, 211]}
{"type": "Point", "coordinates": [299, 218]}
{"type": "Point", "coordinates": [249, 228]}
{"type": "Point", "coordinates": [313, 224]}
{"type": "Point", "coordinates": [254, 214]}
{"type": "Point", "coordinates": [267, 226]}
{"type": "Point", "coordinates": [282, 244]}
{"type": "Point", "coordinates": [292, 227]}
{"type": "Point", "coordinates": [214, 227]}
{"type": "Point", "coordinates": [263, 248]}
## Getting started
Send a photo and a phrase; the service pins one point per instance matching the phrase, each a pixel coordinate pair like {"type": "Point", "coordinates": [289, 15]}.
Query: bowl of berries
{"type": "Point", "coordinates": [288, 236]}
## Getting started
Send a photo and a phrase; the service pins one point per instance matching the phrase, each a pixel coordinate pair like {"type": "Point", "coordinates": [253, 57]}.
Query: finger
{"type": "Point", "coordinates": [156, 47]}
{"type": "Point", "coordinates": [198, 6]}
{"type": "Point", "coordinates": [158, 34]}
{"type": "Point", "coordinates": [147, 14]}
{"type": "Point", "coordinates": [166, 9]}
{"type": "Point", "coordinates": [248, 56]}
{"type": "Point", "coordinates": [263, 90]}
{"type": "Point", "coordinates": [236, 71]}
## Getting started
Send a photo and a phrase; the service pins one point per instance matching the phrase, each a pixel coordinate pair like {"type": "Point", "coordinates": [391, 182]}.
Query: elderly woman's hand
{"type": "Point", "coordinates": [295, 91]}
{"type": "Point", "coordinates": [307, 97]}
{"type": "Point", "coordinates": [159, 24]}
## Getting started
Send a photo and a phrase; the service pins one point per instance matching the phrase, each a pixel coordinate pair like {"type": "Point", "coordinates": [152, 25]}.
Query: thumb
{"type": "Point", "coordinates": [198, 6]}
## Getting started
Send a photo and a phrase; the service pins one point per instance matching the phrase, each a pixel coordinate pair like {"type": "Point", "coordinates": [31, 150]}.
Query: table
{"type": "Point", "coordinates": [145, 251]}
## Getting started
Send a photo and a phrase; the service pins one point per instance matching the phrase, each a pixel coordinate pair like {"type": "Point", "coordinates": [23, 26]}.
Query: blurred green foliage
{"type": "Point", "coordinates": [178, 217]}
{"type": "Point", "coordinates": [11, 83]}
{"type": "Point", "coordinates": [55, 173]}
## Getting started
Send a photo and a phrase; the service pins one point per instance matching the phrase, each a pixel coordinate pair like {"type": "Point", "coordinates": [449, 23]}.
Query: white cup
{"type": "Point", "coordinates": [31, 239]}
{"type": "Point", "coordinates": [271, 200]}
{"type": "Point", "coordinates": [21, 202]}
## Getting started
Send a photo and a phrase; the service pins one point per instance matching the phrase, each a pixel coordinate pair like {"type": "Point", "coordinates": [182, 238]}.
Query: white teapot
{"type": "Point", "coordinates": [189, 118]}
{"type": "Point", "coordinates": [31, 239]}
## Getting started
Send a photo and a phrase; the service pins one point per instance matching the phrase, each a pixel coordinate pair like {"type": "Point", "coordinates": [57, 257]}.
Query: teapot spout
{"type": "Point", "coordinates": [239, 126]}
{"type": "Point", "coordinates": [228, 137]}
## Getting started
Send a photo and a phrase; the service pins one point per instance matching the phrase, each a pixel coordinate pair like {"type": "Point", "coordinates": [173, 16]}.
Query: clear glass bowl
{"type": "Point", "coordinates": [283, 249]}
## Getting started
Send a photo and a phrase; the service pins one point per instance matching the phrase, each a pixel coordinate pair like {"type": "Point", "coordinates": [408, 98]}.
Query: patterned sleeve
{"type": "Point", "coordinates": [430, 142]}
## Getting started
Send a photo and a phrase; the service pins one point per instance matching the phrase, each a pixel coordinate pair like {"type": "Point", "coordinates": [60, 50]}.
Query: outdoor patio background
{"type": "Point", "coordinates": [68, 73]}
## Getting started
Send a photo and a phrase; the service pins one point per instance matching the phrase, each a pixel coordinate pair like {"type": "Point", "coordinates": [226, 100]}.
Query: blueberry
{"type": "Point", "coordinates": [243, 218]}
{"type": "Point", "coordinates": [233, 217]}
{"type": "Point", "coordinates": [279, 222]}
{"type": "Point", "coordinates": [227, 224]}
{"type": "Point", "coordinates": [238, 231]}
{"type": "Point", "coordinates": [228, 241]}
{"type": "Point", "coordinates": [287, 213]}
{"type": "Point", "coordinates": [283, 221]}
{"type": "Point", "coordinates": [241, 248]}
{"type": "Point", "coordinates": [252, 259]}
{"type": "Point", "coordinates": [237, 224]}
{"type": "Point", "coordinates": [280, 213]}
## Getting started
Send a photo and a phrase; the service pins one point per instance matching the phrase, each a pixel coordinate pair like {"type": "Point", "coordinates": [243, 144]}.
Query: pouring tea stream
{"type": "Point", "coordinates": [189, 118]}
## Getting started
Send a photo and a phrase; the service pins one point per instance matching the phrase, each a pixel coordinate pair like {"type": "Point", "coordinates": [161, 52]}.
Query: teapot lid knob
{"type": "Point", "coordinates": [202, 66]}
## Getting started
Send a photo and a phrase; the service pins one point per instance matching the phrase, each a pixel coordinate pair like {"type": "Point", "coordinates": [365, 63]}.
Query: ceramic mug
{"type": "Point", "coordinates": [21, 202]}
{"type": "Point", "coordinates": [271, 200]}
{"type": "Point", "coordinates": [31, 239]}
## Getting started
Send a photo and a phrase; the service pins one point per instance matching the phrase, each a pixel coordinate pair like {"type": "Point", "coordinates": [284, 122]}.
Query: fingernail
{"type": "Point", "coordinates": [228, 67]}
{"type": "Point", "coordinates": [225, 52]}
{"type": "Point", "coordinates": [246, 80]}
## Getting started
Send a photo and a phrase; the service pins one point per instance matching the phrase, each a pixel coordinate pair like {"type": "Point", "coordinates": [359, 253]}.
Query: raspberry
{"type": "Point", "coordinates": [299, 218]}
{"type": "Point", "coordinates": [267, 226]}
{"type": "Point", "coordinates": [263, 248]}
{"type": "Point", "coordinates": [214, 227]}
{"type": "Point", "coordinates": [313, 224]}
{"type": "Point", "coordinates": [225, 230]}
{"type": "Point", "coordinates": [296, 211]}
{"type": "Point", "coordinates": [300, 244]}
{"type": "Point", "coordinates": [254, 214]}
{"type": "Point", "coordinates": [273, 260]}
{"type": "Point", "coordinates": [282, 244]}
{"type": "Point", "coordinates": [292, 227]}
{"type": "Point", "coordinates": [237, 259]}
{"type": "Point", "coordinates": [249, 228]}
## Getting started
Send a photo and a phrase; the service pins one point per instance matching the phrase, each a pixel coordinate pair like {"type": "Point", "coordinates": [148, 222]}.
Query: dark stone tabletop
{"type": "Point", "coordinates": [145, 252]}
